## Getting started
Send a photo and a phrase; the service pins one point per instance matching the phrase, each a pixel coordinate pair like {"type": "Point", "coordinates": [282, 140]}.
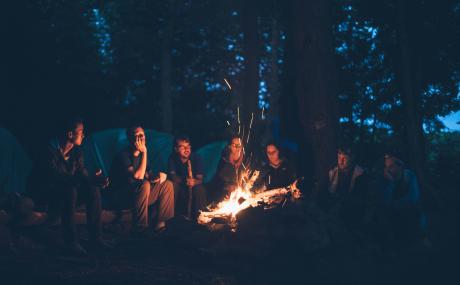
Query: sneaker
{"type": "Point", "coordinates": [160, 230]}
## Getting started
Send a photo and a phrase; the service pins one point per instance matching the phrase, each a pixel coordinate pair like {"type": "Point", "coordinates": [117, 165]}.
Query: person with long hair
{"type": "Point", "coordinates": [276, 171]}
{"type": "Point", "coordinates": [230, 169]}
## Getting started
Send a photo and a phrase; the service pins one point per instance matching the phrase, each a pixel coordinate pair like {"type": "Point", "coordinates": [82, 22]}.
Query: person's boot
{"type": "Point", "coordinates": [160, 228]}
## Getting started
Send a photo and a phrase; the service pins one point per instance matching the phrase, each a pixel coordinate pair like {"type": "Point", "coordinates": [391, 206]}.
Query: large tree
{"type": "Point", "coordinates": [315, 81]}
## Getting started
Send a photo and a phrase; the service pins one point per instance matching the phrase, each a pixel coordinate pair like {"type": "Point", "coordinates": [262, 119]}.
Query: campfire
{"type": "Point", "coordinates": [244, 197]}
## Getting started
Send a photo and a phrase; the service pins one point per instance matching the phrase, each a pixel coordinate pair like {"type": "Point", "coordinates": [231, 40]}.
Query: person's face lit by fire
{"type": "Point", "coordinates": [183, 149]}
{"type": "Point", "coordinates": [272, 153]}
{"type": "Point", "coordinates": [76, 136]}
{"type": "Point", "coordinates": [344, 160]}
{"type": "Point", "coordinates": [235, 148]}
{"type": "Point", "coordinates": [137, 139]}
{"type": "Point", "coordinates": [394, 168]}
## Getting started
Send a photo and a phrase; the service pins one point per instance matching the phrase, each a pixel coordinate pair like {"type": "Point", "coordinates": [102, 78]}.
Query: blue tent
{"type": "Point", "coordinates": [101, 147]}
{"type": "Point", "coordinates": [211, 154]}
{"type": "Point", "coordinates": [15, 165]}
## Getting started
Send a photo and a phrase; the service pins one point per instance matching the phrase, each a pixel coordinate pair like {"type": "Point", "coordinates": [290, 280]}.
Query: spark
{"type": "Point", "coordinates": [228, 84]}
{"type": "Point", "coordinates": [250, 126]}
{"type": "Point", "coordinates": [238, 113]}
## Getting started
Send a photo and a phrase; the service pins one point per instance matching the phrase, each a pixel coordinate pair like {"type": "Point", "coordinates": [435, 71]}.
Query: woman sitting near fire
{"type": "Point", "coordinates": [230, 169]}
{"type": "Point", "coordinates": [276, 171]}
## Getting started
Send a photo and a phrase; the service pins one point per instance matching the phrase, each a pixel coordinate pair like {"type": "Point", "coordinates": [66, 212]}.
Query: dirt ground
{"type": "Point", "coordinates": [287, 246]}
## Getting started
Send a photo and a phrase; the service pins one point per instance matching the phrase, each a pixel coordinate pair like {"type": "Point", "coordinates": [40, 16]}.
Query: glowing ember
{"type": "Point", "coordinates": [243, 198]}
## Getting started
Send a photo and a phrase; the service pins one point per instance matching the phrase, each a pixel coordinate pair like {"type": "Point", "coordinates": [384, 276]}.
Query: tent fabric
{"type": "Point", "coordinates": [101, 148]}
{"type": "Point", "coordinates": [210, 155]}
{"type": "Point", "coordinates": [15, 164]}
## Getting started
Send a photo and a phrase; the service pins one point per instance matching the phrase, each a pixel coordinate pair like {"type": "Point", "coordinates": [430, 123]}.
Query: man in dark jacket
{"type": "Point", "coordinates": [185, 169]}
{"type": "Point", "coordinates": [346, 189]}
{"type": "Point", "coordinates": [62, 182]}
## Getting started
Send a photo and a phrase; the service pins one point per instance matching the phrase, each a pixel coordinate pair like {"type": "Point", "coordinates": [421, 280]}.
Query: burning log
{"type": "Point", "coordinates": [241, 199]}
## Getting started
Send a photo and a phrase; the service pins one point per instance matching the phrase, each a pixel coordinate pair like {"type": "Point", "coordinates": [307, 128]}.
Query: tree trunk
{"type": "Point", "coordinates": [315, 83]}
{"type": "Point", "coordinates": [410, 91]}
{"type": "Point", "coordinates": [249, 95]}
{"type": "Point", "coordinates": [166, 70]}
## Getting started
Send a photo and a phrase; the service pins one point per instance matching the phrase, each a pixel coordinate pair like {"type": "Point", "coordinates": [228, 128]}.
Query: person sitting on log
{"type": "Point", "coordinates": [399, 197]}
{"type": "Point", "coordinates": [230, 170]}
{"type": "Point", "coordinates": [277, 171]}
{"type": "Point", "coordinates": [61, 181]}
{"type": "Point", "coordinates": [346, 188]}
{"type": "Point", "coordinates": [134, 186]}
{"type": "Point", "coordinates": [185, 170]}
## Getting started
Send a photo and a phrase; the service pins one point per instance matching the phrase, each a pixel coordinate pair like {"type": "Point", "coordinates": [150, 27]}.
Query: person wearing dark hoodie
{"type": "Point", "coordinates": [62, 182]}
{"type": "Point", "coordinates": [230, 170]}
{"type": "Point", "coordinates": [276, 171]}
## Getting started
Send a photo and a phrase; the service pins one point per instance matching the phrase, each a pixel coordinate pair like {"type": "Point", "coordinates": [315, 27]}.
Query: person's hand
{"type": "Point", "coordinates": [101, 181]}
{"type": "Point", "coordinates": [160, 178]}
{"type": "Point", "coordinates": [296, 194]}
{"type": "Point", "coordinates": [140, 145]}
{"type": "Point", "coordinates": [191, 182]}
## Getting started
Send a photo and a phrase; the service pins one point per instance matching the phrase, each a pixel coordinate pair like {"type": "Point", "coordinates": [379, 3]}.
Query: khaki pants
{"type": "Point", "coordinates": [146, 195]}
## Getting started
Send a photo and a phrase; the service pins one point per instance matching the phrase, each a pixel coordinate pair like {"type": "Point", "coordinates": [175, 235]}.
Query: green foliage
{"type": "Point", "coordinates": [368, 50]}
{"type": "Point", "coordinates": [444, 159]}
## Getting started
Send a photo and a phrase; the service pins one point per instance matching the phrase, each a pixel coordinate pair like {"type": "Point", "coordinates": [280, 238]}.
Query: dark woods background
{"type": "Point", "coordinates": [374, 73]}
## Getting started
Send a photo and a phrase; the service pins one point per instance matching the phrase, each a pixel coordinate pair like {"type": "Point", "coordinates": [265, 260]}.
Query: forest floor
{"type": "Point", "coordinates": [268, 247]}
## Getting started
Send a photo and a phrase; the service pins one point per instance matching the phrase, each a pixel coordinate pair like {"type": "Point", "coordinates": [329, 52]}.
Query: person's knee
{"type": "Point", "coordinates": [144, 189]}
{"type": "Point", "coordinates": [168, 186]}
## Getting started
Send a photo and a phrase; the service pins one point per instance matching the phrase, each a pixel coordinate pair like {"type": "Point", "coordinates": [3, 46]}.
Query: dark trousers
{"type": "Point", "coordinates": [140, 198]}
{"type": "Point", "coordinates": [399, 227]}
{"type": "Point", "coordinates": [64, 200]}
{"type": "Point", "coordinates": [181, 197]}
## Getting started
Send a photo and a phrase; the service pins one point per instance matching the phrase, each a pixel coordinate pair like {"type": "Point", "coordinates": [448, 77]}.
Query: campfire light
{"type": "Point", "coordinates": [243, 198]}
